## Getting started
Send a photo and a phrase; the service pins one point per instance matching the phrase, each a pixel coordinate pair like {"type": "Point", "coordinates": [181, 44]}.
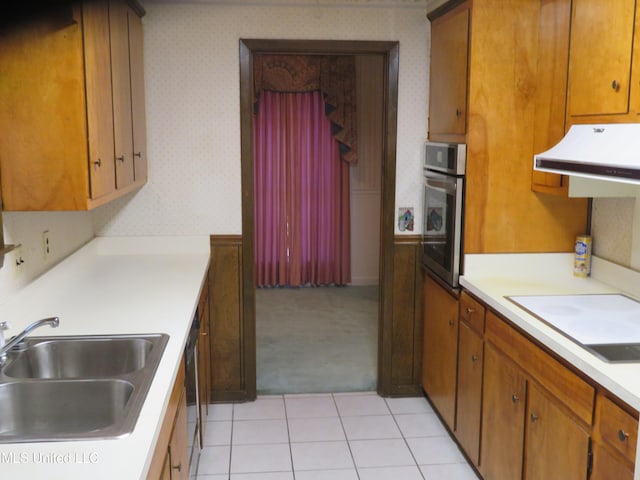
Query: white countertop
{"type": "Point", "coordinates": [123, 285]}
{"type": "Point", "coordinates": [492, 277]}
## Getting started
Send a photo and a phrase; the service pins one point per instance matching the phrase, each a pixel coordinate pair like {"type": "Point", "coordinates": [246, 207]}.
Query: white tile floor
{"type": "Point", "coordinates": [346, 436]}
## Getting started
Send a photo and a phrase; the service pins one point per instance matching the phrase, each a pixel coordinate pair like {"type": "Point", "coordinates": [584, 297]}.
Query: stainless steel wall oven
{"type": "Point", "coordinates": [443, 207]}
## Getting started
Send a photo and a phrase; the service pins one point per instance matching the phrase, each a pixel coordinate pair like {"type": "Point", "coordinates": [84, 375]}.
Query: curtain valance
{"type": "Point", "coordinates": [333, 75]}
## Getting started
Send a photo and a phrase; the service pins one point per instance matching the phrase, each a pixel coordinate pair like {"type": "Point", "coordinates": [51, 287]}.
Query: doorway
{"type": "Point", "coordinates": [389, 52]}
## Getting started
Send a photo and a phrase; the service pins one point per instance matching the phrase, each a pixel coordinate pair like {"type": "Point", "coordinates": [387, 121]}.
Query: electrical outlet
{"type": "Point", "coordinates": [46, 245]}
{"type": "Point", "coordinates": [17, 262]}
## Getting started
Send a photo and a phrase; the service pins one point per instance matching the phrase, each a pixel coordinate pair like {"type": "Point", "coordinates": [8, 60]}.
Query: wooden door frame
{"type": "Point", "coordinates": [390, 52]}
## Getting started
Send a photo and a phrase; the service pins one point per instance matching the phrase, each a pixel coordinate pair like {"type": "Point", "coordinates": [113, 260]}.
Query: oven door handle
{"type": "Point", "coordinates": [445, 185]}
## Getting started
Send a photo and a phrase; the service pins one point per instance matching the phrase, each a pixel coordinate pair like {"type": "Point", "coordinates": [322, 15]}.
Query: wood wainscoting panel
{"type": "Point", "coordinates": [229, 336]}
{"type": "Point", "coordinates": [406, 335]}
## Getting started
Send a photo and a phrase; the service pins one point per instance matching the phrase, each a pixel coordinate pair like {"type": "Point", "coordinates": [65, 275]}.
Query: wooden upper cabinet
{"type": "Point", "coordinates": [600, 57]}
{"type": "Point", "coordinates": [128, 94]}
{"type": "Point", "coordinates": [102, 176]}
{"type": "Point", "coordinates": [121, 85]}
{"type": "Point", "coordinates": [448, 75]}
{"type": "Point", "coordinates": [554, 23]}
{"type": "Point", "coordinates": [138, 114]}
{"type": "Point", "coordinates": [65, 79]}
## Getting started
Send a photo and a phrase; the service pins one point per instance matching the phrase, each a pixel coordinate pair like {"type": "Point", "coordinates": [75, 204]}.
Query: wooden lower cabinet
{"type": "Point", "coordinates": [556, 445]}
{"type": "Point", "coordinates": [166, 469]}
{"type": "Point", "coordinates": [607, 467]}
{"type": "Point", "coordinates": [469, 392]}
{"type": "Point", "coordinates": [440, 348]}
{"type": "Point", "coordinates": [504, 396]}
{"type": "Point", "coordinates": [171, 449]}
{"type": "Point", "coordinates": [616, 436]}
{"type": "Point", "coordinates": [527, 432]}
{"type": "Point", "coordinates": [517, 410]}
{"type": "Point", "coordinates": [178, 444]}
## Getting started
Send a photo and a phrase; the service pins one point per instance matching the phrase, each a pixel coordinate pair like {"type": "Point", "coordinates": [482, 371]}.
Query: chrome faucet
{"type": "Point", "coordinates": [5, 345]}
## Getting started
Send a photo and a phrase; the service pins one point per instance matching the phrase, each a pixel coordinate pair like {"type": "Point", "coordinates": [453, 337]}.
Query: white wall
{"type": "Point", "coordinates": [68, 231]}
{"type": "Point", "coordinates": [192, 71]}
{"type": "Point", "coordinates": [193, 116]}
{"type": "Point", "coordinates": [193, 119]}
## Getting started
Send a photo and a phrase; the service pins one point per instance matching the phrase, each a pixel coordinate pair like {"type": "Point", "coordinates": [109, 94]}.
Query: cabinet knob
{"type": "Point", "coordinates": [138, 154]}
{"type": "Point", "coordinates": [515, 398]}
{"type": "Point", "coordinates": [470, 310]}
{"type": "Point", "coordinates": [458, 112]}
{"type": "Point", "coordinates": [451, 322]}
{"type": "Point", "coordinates": [474, 358]}
{"type": "Point", "coordinates": [615, 85]}
{"type": "Point", "coordinates": [177, 467]}
{"type": "Point", "coordinates": [98, 162]}
{"type": "Point", "coordinates": [534, 417]}
{"type": "Point", "coordinates": [121, 158]}
{"type": "Point", "coordinates": [622, 435]}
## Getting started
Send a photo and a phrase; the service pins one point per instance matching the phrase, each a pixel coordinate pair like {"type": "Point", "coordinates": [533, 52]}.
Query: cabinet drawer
{"type": "Point", "coordinates": [561, 382]}
{"type": "Point", "coordinates": [618, 428]}
{"type": "Point", "coordinates": [472, 312]}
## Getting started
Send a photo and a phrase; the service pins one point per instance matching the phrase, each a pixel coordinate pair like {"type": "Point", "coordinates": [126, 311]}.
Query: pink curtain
{"type": "Point", "coordinates": [301, 194]}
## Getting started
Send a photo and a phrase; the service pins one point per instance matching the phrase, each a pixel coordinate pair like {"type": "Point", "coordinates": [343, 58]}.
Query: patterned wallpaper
{"type": "Point", "coordinates": [193, 118]}
{"type": "Point", "coordinates": [611, 228]}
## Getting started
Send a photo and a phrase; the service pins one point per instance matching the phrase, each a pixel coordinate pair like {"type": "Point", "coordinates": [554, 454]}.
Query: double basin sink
{"type": "Point", "coordinates": [76, 387]}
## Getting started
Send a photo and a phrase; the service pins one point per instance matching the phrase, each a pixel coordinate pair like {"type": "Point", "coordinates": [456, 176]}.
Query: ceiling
{"type": "Point", "coordinates": [428, 4]}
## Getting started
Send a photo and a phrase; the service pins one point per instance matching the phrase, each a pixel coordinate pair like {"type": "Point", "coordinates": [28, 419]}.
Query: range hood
{"type": "Point", "coordinates": [605, 152]}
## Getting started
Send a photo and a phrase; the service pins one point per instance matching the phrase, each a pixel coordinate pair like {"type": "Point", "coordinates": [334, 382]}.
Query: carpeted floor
{"type": "Point", "coordinates": [316, 340]}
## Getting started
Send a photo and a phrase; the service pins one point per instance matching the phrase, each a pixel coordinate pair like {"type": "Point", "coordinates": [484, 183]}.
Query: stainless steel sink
{"type": "Point", "coordinates": [36, 410]}
{"type": "Point", "coordinates": [69, 357]}
{"type": "Point", "coordinates": [76, 387]}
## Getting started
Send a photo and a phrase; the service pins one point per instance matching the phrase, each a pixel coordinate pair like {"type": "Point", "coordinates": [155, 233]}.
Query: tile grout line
{"type": "Point", "coordinates": [393, 415]}
{"type": "Point", "coordinates": [286, 419]}
{"type": "Point", "coordinates": [233, 419]}
{"type": "Point", "coordinates": [355, 467]}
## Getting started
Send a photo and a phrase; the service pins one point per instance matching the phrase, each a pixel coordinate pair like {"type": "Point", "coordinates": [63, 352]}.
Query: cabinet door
{"type": "Point", "coordinates": [600, 57]}
{"type": "Point", "coordinates": [166, 468]}
{"type": "Point", "coordinates": [43, 143]}
{"type": "Point", "coordinates": [468, 409]}
{"type": "Point", "coordinates": [503, 418]}
{"type": "Point", "coordinates": [95, 18]}
{"type": "Point", "coordinates": [138, 114]}
{"type": "Point", "coordinates": [607, 467]}
{"type": "Point", "coordinates": [554, 24]}
{"type": "Point", "coordinates": [178, 444]}
{"type": "Point", "coordinates": [121, 84]}
{"type": "Point", "coordinates": [439, 357]}
{"type": "Point", "coordinates": [448, 75]}
{"type": "Point", "coordinates": [557, 447]}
